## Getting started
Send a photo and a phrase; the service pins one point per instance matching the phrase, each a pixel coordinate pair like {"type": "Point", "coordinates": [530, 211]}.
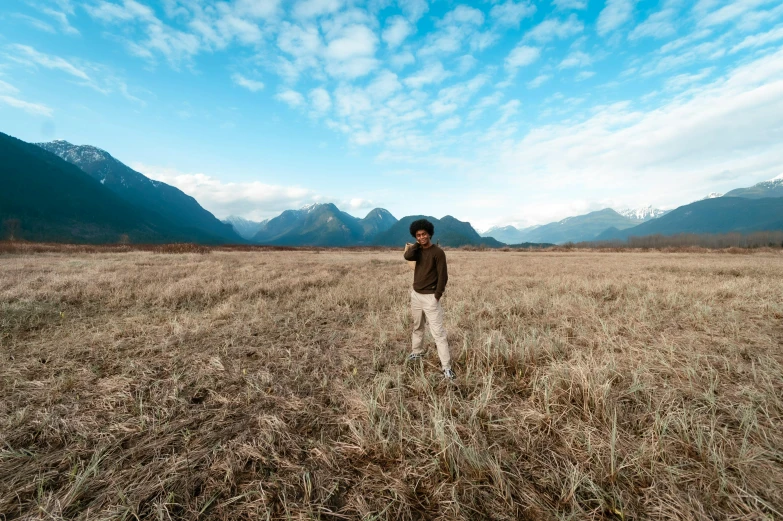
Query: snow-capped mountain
{"type": "Point", "coordinates": [771, 188]}
{"type": "Point", "coordinates": [377, 221]}
{"type": "Point", "coordinates": [711, 195]}
{"type": "Point", "coordinates": [644, 213]}
{"type": "Point", "coordinates": [244, 227]}
{"type": "Point", "coordinates": [181, 209]}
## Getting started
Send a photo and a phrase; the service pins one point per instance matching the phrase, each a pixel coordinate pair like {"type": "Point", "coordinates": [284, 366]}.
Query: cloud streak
{"type": "Point", "coordinates": [251, 200]}
{"type": "Point", "coordinates": [731, 124]}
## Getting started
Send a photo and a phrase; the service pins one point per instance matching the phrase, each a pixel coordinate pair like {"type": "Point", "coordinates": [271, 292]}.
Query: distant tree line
{"type": "Point", "coordinates": [769, 239]}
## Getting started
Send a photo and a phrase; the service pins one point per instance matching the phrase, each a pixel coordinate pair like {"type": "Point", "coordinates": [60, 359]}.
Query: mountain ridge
{"type": "Point", "coordinates": [51, 199]}
{"type": "Point", "coordinates": [139, 190]}
{"type": "Point", "coordinates": [323, 224]}
{"type": "Point", "coordinates": [710, 216]}
{"type": "Point", "coordinates": [449, 231]}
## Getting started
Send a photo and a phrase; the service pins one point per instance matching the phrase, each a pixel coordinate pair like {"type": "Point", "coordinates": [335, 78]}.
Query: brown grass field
{"type": "Point", "coordinates": [273, 385]}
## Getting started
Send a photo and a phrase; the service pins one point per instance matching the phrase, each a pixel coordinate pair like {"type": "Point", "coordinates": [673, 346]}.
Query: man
{"type": "Point", "coordinates": [429, 283]}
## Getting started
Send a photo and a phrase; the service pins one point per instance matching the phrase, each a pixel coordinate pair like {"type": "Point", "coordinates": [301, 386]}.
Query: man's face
{"type": "Point", "coordinates": [423, 238]}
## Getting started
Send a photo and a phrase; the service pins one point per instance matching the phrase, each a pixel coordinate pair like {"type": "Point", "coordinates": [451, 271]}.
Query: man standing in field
{"type": "Point", "coordinates": [429, 283]}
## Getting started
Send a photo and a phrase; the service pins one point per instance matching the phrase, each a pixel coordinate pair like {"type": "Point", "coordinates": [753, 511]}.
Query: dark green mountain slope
{"type": "Point", "coordinates": [323, 225]}
{"type": "Point", "coordinates": [315, 225]}
{"type": "Point", "coordinates": [772, 188]}
{"type": "Point", "coordinates": [718, 215]}
{"type": "Point", "coordinates": [448, 231]}
{"type": "Point", "coordinates": [54, 200]}
{"type": "Point", "coordinates": [579, 228]}
{"type": "Point", "coordinates": [376, 221]}
{"type": "Point", "coordinates": [136, 188]}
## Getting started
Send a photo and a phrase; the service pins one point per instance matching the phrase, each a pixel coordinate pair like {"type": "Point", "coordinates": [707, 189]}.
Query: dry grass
{"type": "Point", "coordinates": [272, 385]}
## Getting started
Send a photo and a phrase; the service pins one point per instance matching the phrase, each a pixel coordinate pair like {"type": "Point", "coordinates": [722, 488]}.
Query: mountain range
{"type": "Point", "coordinates": [771, 188]}
{"type": "Point", "coordinates": [716, 215]}
{"type": "Point", "coordinates": [323, 225]}
{"type": "Point", "coordinates": [49, 199]}
{"type": "Point", "coordinates": [137, 189]}
{"type": "Point", "coordinates": [58, 191]}
{"type": "Point", "coordinates": [608, 224]}
{"type": "Point", "coordinates": [244, 227]}
{"type": "Point", "coordinates": [448, 232]}
{"type": "Point", "coordinates": [508, 234]}
{"type": "Point", "coordinates": [572, 229]}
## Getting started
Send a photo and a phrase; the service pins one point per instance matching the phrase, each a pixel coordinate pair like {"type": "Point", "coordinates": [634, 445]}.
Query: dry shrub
{"type": "Point", "coordinates": [179, 248]}
{"type": "Point", "coordinates": [267, 385]}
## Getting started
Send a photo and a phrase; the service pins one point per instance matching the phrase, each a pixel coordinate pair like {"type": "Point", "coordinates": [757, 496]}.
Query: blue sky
{"type": "Point", "coordinates": [494, 112]}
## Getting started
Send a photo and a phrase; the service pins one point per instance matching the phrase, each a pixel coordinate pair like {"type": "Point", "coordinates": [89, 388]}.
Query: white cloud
{"type": "Point", "coordinates": [510, 13]}
{"type": "Point", "coordinates": [396, 31]}
{"type": "Point", "coordinates": [302, 42]}
{"type": "Point", "coordinates": [320, 100]}
{"type": "Point", "coordinates": [413, 9]}
{"type": "Point", "coordinates": [26, 54]}
{"type": "Point", "coordinates": [7, 88]}
{"type": "Point", "coordinates": [462, 14]}
{"type": "Point", "coordinates": [252, 200]}
{"type": "Point", "coordinates": [352, 103]}
{"type": "Point", "coordinates": [484, 103]}
{"type": "Point", "coordinates": [565, 5]}
{"type": "Point", "coordinates": [353, 41]}
{"type": "Point", "coordinates": [431, 74]}
{"type": "Point", "coordinates": [257, 8]}
{"type": "Point", "coordinates": [457, 27]}
{"type": "Point", "coordinates": [614, 14]}
{"type": "Point", "coordinates": [576, 59]}
{"type": "Point", "coordinates": [384, 85]}
{"type": "Point", "coordinates": [230, 26]}
{"type": "Point", "coordinates": [679, 82]}
{"type": "Point", "coordinates": [731, 124]}
{"type": "Point", "coordinates": [128, 10]}
{"type": "Point", "coordinates": [353, 68]}
{"type": "Point", "coordinates": [657, 25]}
{"type": "Point", "coordinates": [753, 19]}
{"type": "Point", "coordinates": [446, 41]}
{"type": "Point", "coordinates": [398, 61]}
{"type": "Point", "coordinates": [584, 75]}
{"type": "Point", "coordinates": [727, 13]}
{"type": "Point", "coordinates": [350, 54]}
{"type": "Point", "coordinates": [760, 40]}
{"type": "Point", "coordinates": [466, 63]}
{"type": "Point", "coordinates": [483, 40]}
{"type": "Point", "coordinates": [705, 51]}
{"type": "Point", "coordinates": [451, 123]}
{"type": "Point", "coordinates": [36, 109]}
{"type": "Point", "coordinates": [62, 18]}
{"type": "Point", "coordinates": [552, 29]}
{"type": "Point", "coordinates": [251, 85]}
{"type": "Point", "coordinates": [146, 36]}
{"type": "Point", "coordinates": [538, 81]}
{"type": "Point", "coordinates": [685, 40]}
{"type": "Point", "coordinates": [36, 23]}
{"type": "Point", "coordinates": [292, 98]}
{"type": "Point", "coordinates": [521, 56]}
{"type": "Point", "coordinates": [313, 8]}
{"type": "Point", "coordinates": [176, 46]}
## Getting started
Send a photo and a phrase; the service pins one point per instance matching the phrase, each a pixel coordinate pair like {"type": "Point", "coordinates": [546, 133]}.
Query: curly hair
{"type": "Point", "coordinates": [422, 224]}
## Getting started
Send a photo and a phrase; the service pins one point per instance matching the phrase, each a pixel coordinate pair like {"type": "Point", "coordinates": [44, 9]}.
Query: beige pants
{"type": "Point", "coordinates": [427, 309]}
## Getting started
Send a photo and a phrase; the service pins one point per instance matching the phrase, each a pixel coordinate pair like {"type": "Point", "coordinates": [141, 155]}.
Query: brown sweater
{"type": "Point", "coordinates": [431, 274]}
